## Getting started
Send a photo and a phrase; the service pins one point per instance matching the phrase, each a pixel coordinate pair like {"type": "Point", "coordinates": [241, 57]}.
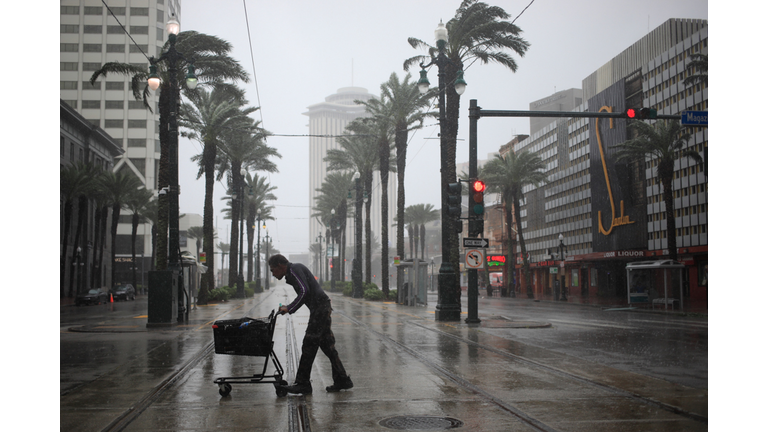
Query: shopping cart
{"type": "Point", "coordinates": [249, 337]}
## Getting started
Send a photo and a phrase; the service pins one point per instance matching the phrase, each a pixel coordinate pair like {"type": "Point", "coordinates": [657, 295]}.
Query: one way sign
{"type": "Point", "coordinates": [475, 242]}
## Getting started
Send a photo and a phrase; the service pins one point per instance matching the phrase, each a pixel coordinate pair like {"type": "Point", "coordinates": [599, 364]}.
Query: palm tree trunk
{"type": "Point", "coordinates": [102, 246]}
{"type": "Point", "coordinates": [208, 281]}
{"type": "Point", "coordinates": [65, 244]}
{"type": "Point", "coordinates": [667, 172]}
{"type": "Point", "coordinates": [384, 175]}
{"type": "Point", "coordinates": [510, 261]}
{"type": "Point", "coordinates": [115, 219]}
{"type": "Point", "coordinates": [401, 145]}
{"type": "Point", "coordinates": [134, 231]}
{"type": "Point", "coordinates": [249, 232]}
{"type": "Point", "coordinates": [96, 231]}
{"type": "Point", "coordinates": [526, 264]}
{"type": "Point", "coordinates": [422, 238]}
{"type": "Point", "coordinates": [369, 185]}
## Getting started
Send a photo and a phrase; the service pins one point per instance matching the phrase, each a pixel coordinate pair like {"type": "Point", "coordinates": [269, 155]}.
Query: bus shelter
{"type": "Point", "coordinates": [643, 280]}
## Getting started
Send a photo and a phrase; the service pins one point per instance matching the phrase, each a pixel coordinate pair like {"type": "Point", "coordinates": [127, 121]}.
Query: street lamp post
{"type": "Point", "coordinates": [258, 250]}
{"type": "Point", "coordinates": [172, 57]}
{"type": "Point", "coordinates": [357, 265]}
{"type": "Point", "coordinates": [240, 280]}
{"type": "Point", "coordinates": [448, 306]}
{"type": "Point", "coordinates": [319, 268]}
{"type": "Point", "coordinates": [563, 250]}
{"type": "Point", "coordinates": [334, 222]}
{"type": "Point", "coordinates": [266, 266]}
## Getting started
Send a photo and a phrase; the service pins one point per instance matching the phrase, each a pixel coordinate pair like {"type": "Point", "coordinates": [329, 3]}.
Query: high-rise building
{"type": "Point", "coordinates": [92, 34]}
{"type": "Point", "coordinates": [611, 214]}
{"type": "Point", "coordinates": [327, 120]}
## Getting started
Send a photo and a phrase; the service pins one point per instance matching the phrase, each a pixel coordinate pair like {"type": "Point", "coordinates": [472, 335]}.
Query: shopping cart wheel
{"type": "Point", "coordinates": [280, 390]}
{"type": "Point", "coordinates": [224, 389]}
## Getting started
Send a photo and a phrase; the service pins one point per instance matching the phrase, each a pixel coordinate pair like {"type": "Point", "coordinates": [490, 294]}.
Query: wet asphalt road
{"type": "Point", "coordinates": [574, 373]}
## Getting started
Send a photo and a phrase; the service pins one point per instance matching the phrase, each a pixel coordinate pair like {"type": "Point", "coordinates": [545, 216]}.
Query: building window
{"type": "Point", "coordinates": [115, 85]}
{"type": "Point", "coordinates": [115, 104]}
{"type": "Point", "coordinates": [139, 11]}
{"type": "Point", "coordinates": [88, 66]}
{"type": "Point", "coordinates": [92, 29]}
{"type": "Point", "coordinates": [88, 86]}
{"type": "Point", "coordinates": [137, 30]}
{"type": "Point", "coordinates": [118, 10]}
{"type": "Point", "coordinates": [93, 10]}
{"type": "Point", "coordinates": [115, 48]}
{"type": "Point", "coordinates": [114, 124]}
{"type": "Point", "coordinates": [134, 104]}
{"type": "Point", "coordinates": [91, 104]}
{"type": "Point", "coordinates": [62, 147]}
{"type": "Point", "coordinates": [91, 47]}
{"type": "Point", "coordinates": [71, 152]}
{"type": "Point", "coordinates": [68, 85]}
{"type": "Point", "coordinates": [70, 10]}
{"type": "Point", "coordinates": [114, 29]}
{"type": "Point", "coordinates": [137, 142]}
{"type": "Point", "coordinates": [69, 28]}
{"type": "Point", "coordinates": [137, 124]}
{"type": "Point", "coordinates": [137, 49]}
{"type": "Point", "coordinates": [68, 47]}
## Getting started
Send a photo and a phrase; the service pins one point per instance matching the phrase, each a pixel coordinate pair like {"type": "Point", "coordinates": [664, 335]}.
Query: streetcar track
{"type": "Point", "coordinates": [507, 407]}
{"type": "Point", "coordinates": [134, 411]}
{"type": "Point", "coordinates": [298, 415]}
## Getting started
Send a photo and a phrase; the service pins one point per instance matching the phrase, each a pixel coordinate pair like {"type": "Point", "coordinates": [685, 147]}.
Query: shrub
{"type": "Point", "coordinates": [393, 294]}
{"type": "Point", "coordinates": [373, 294]}
{"type": "Point", "coordinates": [248, 291]}
{"type": "Point", "coordinates": [348, 289]}
{"type": "Point", "coordinates": [219, 294]}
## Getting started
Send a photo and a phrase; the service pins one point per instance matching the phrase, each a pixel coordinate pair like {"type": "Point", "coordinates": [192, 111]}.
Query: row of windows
{"type": "Point", "coordinates": [679, 232]}
{"type": "Point", "coordinates": [684, 192]}
{"type": "Point", "coordinates": [687, 211]}
{"type": "Point", "coordinates": [91, 66]}
{"type": "Point", "coordinates": [99, 29]}
{"type": "Point", "coordinates": [679, 58]}
{"type": "Point", "coordinates": [99, 10]}
{"type": "Point", "coordinates": [110, 48]}
{"type": "Point", "coordinates": [86, 85]}
{"type": "Point", "coordinates": [96, 104]}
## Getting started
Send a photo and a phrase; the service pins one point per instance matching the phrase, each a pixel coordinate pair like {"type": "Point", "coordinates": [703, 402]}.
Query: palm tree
{"type": "Point", "coordinates": [508, 176]}
{"type": "Point", "coordinates": [663, 141]}
{"type": "Point", "coordinates": [333, 197]}
{"type": "Point", "coordinates": [259, 192]}
{"type": "Point", "coordinates": [75, 181]}
{"type": "Point", "coordinates": [698, 70]}
{"type": "Point", "coordinates": [359, 151]}
{"type": "Point", "coordinates": [406, 112]}
{"type": "Point", "coordinates": [209, 116]}
{"type": "Point", "coordinates": [213, 67]}
{"type": "Point", "coordinates": [242, 148]}
{"type": "Point", "coordinates": [380, 112]}
{"type": "Point", "coordinates": [423, 214]}
{"type": "Point", "coordinates": [118, 187]}
{"type": "Point", "coordinates": [137, 203]}
{"type": "Point", "coordinates": [477, 32]}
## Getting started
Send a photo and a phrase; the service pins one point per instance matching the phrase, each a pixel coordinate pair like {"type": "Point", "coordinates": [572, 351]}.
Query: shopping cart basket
{"type": "Point", "coordinates": [249, 337]}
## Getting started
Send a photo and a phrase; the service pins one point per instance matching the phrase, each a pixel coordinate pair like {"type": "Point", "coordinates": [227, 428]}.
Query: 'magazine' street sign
{"type": "Point", "coordinates": [694, 118]}
{"type": "Point", "coordinates": [475, 242]}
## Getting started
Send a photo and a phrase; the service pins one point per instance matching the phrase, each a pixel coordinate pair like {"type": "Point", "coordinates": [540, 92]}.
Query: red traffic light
{"type": "Point", "coordinates": [478, 186]}
{"type": "Point", "coordinates": [630, 113]}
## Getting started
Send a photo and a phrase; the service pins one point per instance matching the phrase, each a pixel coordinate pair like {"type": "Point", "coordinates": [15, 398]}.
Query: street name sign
{"type": "Point", "coordinates": [694, 118]}
{"type": "Point", "coordinates": [476, 242]}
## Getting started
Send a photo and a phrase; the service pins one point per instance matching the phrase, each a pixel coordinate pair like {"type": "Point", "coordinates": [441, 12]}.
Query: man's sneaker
{"type": "Point", "coordinates": [338, 386]}
{"type": "Point", "coordinates": [299, 388]}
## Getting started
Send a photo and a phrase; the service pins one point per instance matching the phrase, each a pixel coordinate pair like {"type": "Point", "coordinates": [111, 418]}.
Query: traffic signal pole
{"type": "Point", "coordinates": [472, 291]}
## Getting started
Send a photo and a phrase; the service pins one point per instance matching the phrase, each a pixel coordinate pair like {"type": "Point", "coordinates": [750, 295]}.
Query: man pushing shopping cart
{"type": "Point", "coordinates": [318, 334]}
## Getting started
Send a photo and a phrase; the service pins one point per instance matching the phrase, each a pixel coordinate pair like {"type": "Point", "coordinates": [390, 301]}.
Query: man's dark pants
{"type": "Point", "coordinates": [319, 335]}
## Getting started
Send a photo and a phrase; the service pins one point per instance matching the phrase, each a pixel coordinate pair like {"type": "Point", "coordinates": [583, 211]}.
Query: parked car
{"type": "Point", "coordinates": [124, 292]}
{"type": "Point", "coordinates": [93, 296]}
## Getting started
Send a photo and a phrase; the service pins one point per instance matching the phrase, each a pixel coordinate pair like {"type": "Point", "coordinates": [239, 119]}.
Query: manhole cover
{"type": "Point", "coordinates": [421, 423]}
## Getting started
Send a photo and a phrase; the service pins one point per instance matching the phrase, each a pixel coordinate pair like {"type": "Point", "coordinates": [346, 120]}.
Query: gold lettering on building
{"type": "Point", "coordinates": [621, 219]}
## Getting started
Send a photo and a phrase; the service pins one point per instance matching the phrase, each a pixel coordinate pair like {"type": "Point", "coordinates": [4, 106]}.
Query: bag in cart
{"type": "Point", "coordinates": [248, 337]}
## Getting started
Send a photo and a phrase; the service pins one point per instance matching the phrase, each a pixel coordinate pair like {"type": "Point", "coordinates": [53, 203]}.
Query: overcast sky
{"type": "Point", "coordinates": [301, 51]}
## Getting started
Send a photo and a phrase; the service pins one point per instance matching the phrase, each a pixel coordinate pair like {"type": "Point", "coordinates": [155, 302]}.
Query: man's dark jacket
{"type": "Point", "coordinates": [308, 291]}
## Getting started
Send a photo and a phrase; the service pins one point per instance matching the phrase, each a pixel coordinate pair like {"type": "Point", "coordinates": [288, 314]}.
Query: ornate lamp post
{"type": "Point", "coordinates": [266, 263]}
{"type": "Point", "coordinates": [172, 57]}
{"type": "Point", "coordinates": [240, 280]}
{"type": "Point", "coordinates": [448, 306]}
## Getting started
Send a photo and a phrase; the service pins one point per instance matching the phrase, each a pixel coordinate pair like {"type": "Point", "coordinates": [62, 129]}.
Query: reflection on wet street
{"type": "Point", "coordinates": [568, 368]}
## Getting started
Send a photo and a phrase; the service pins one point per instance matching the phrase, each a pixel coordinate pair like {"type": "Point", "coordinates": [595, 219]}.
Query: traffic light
{"type": "Point", "coordinates": [647, 113]}
{"type": "Point", "coordinates": [478, 189]}
{"type": "Point", "coordinates": [630, 113]}
{"type": "Point", "coordinates": [454, 199]}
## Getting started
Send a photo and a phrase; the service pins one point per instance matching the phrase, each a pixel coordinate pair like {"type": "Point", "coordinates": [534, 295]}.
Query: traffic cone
{"type": "Point", "coordinates": [111, 300]}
